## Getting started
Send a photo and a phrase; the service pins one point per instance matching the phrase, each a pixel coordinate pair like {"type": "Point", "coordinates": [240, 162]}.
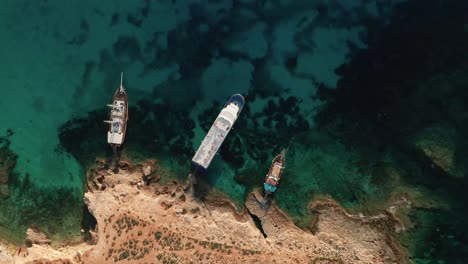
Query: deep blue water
{"type": "Point", "coordinates": [369, 96]}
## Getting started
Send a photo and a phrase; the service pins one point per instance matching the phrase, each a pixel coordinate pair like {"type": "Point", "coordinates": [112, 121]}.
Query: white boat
{"type": "Point", "coordinates": [118, 116]}
{"type": "Point", "coordinates": [218, 132]}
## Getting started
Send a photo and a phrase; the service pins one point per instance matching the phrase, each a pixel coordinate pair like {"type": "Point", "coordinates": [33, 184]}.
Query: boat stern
{"type": "Point", "coordinates": [269, 188]}
{"type": "Point", "coordinates": [115, 138]}
{"type": "Point", "coordinates": [198, 167]}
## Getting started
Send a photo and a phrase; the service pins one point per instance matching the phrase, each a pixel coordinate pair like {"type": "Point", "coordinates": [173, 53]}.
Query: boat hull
{"type": "Point", "coordinates": [273, 177]}
{"type": "Point", "coordinates": [218, 132]}
{"type": "Point", "coordinates": [118, 119]}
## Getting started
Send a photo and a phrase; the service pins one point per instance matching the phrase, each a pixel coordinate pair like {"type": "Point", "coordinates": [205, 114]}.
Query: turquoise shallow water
{"type": "Point", "coordinates": [318, 78]}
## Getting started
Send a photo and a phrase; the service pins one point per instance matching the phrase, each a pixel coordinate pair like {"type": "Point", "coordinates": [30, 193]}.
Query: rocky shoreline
{"type": "Point", "coordinates": [140, 220]}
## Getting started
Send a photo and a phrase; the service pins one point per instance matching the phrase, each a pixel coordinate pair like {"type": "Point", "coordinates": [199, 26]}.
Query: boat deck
{"type": "Point", "coordinates": [276, 170]}
{"type": "Point", "coordinates": [211, 143]}
{"type": "Point", "coordinates": [118, 117]}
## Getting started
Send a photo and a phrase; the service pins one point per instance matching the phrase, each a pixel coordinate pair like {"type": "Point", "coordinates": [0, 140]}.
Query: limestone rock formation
{"type": "Point", "coordinates": [351, 238]}
{"type": "Point", "coordinates": [34, 236]}
{"type": "Point", "coordinates": [133, 226]}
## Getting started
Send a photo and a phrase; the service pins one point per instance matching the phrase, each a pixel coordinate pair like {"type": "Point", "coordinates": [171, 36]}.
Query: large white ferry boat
{"type": "Point", "coordinates": [218, 132]}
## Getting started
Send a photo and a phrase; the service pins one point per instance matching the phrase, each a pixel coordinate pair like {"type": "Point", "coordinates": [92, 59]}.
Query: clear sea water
{"type": "Point", "coordinates": [301, 66]}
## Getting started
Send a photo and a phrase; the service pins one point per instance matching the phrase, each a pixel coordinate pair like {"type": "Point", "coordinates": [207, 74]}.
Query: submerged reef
{"type": "Point", "coordinates": [7, 164]}
{"type": "Point", "coordinates": [405, 98]}
{"type": "Point", "coordinates": [394, 113]}
{"type": "Point", "coordinates": [259, 134]}
{"type": "Point", "coordinates": [79, 136]}
{"type": "Point", "coordinates": [26, 203]}
{"type": "Point", "coordinates": [439, 144]}
{"type": "Point", "coordinates": [55, 210]}
{"type": "Point", "coordinates": [154, 128]}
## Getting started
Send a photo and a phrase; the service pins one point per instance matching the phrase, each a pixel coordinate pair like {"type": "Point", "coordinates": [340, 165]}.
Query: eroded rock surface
{"type": "Point", "coordinates": [338, 235]}
{"type": "Point", "coordinates": [156, 223]}
{"type": "Point", "coordinates": [34, 236]}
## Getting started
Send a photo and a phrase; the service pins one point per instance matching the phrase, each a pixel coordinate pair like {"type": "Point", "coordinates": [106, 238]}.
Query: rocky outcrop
{"type": "Point", "coordinates": [141, 223]}
{"type": "Point", "coordinates": [273, 220]}
{"type": "Point", "coordinates": [149, 172]}
{"type": "Point", "coordinates": [438, 143]}
{"type": "Point", "coordinates": [369, 239]}
{"type": "Point", "coordinates": [365, 234]}
{"type": "Point", "coordinates": [34, 236]}
{"type": "Point", "coordinates": [45, 260]}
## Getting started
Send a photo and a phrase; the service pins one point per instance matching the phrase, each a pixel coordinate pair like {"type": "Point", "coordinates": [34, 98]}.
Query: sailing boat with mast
{"type": "Point", "coordinates": [118, 117]}
{"type": "Point", "coordinates": [274, 174]}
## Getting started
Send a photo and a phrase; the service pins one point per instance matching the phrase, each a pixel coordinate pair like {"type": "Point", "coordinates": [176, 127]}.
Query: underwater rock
{"type": "Point", "coordinates": [438, 143]}
{"type": "Point", "coordinates": [34, 236]}
{"type": "Point", "coordinates": [4, 191]}
{"type": "Point", "coordinates": [7, 164]}
{"type": "Point", "coordinates": [255, 140]}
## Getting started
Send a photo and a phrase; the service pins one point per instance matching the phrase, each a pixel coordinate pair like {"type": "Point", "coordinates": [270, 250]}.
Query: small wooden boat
{"type": "Point", "coordinates": [118, 117]}
{"type": "Point", "coordinates": [274, 174]}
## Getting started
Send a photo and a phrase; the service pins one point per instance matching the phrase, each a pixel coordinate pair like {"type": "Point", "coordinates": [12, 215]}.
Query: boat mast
{"type": "Point", "coordinates": [121, 81]}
